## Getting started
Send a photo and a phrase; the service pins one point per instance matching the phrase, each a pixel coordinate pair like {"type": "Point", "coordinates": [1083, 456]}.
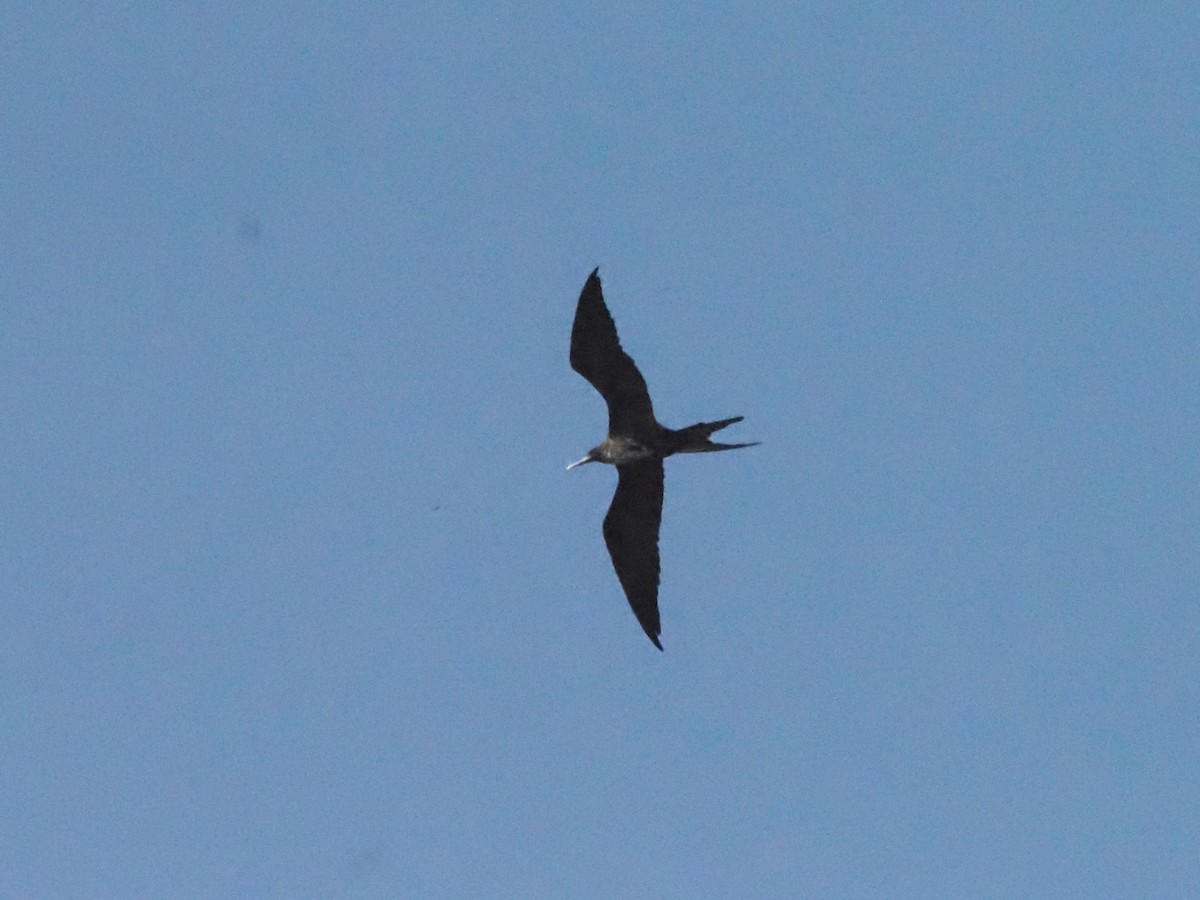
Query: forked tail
{"type": "Point", "coordinates": [694, 438]}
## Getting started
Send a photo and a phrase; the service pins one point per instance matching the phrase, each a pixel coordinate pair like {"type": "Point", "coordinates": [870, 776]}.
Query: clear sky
{"type": "Point", "coordinates": [298, 601]}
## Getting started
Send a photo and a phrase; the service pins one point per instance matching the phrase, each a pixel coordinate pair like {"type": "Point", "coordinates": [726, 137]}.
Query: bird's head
{"type": "Point", "coordinates": [593, 456]}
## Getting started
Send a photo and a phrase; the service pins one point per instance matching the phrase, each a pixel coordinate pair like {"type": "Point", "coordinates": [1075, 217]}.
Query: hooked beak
{"type": "Point", "coordinates": [587, 459]}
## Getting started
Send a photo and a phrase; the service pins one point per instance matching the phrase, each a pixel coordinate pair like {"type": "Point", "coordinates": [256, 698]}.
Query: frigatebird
{"type": "Point", "coordinates": [637, 445]}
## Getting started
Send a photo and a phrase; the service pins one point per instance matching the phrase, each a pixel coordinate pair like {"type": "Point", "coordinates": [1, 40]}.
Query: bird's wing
{"type": "Point", "coordinates": [596, 354]}
{"type": "Point", "coordinates": [631, 533]}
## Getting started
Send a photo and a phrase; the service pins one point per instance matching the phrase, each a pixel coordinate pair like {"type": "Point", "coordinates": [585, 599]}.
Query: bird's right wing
{"type": "Point", "coordinates": [596, 354]}
{"type": "Point", "coordinates": [631, 533]}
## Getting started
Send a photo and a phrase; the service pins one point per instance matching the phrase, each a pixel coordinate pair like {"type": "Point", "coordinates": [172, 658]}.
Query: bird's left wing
{"type": "Point", "coordinates": [596, 354]}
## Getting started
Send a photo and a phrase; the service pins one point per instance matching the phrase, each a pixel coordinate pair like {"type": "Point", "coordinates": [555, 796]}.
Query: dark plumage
{"type": "Point", "coordinates": [637, 445]}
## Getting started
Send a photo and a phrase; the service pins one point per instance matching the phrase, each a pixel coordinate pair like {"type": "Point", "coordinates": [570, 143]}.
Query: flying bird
{"type": "Point", "coordinates": [637, 445]}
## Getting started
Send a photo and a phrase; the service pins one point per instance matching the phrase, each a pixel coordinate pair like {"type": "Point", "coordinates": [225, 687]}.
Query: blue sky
{"type": "Point", "coordinates": [299, 601]}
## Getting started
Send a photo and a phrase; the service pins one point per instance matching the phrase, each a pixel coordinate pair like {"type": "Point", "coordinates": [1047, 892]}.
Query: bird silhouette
{"type": "Point", "coordinates": [637, 445]}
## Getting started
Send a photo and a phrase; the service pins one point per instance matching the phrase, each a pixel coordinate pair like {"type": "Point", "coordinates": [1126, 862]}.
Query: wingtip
{"type": "Point", "coordinates": [595, 273]}
{"type": "Point", "coordinates": [657, 643]}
